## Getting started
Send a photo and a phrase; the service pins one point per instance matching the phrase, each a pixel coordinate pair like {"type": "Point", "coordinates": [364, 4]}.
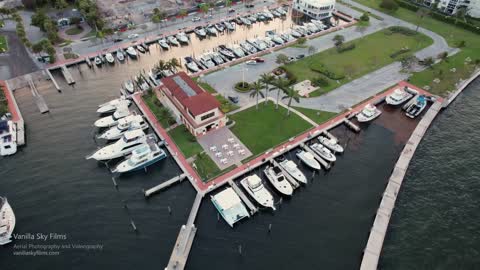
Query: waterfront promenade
{"type": "Point", "coordinates": [17, 117]}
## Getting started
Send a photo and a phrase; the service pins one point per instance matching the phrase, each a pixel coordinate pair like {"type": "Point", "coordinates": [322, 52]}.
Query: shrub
{"type": "Point", "coordinates": [389, 5]}
{"type": "Point", "coordinates": [399, 52]}
{"type": "Point", "coordinates": [461, 44]}
{"type": "Point", "coordinates": [365, 17]}
{"type": "Point", "coordinates": [341, 49]}
{"type": "Point", "coordinates": [243, 87]}
{"type": "Point", "coordinates": [301, 40]}
{"type": "Point", "coordinates": [292, 78]}
{"type": "Point", "coordinates": [320, 68]}
{"type": "Point", "coordinates": [320, 82]}
{"type": "Point", "coordinates": [401, 30]}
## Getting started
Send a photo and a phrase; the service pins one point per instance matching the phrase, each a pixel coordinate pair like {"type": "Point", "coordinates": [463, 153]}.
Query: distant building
{"type": "Point", "coordinates": [65, 18]}
{"type": "Point", "coordinates": [10, 3]}
{"type": "Point", "coordinates": [450, 7]}
{"type": "Point", "coordinates": [191, 105]}
{"type": "Point", "coordinates": [315, 9]}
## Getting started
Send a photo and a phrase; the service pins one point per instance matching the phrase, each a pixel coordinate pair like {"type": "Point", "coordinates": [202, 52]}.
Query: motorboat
{"type": "Point", "coordinates": [142, 157]}
{"type": "Point", "coordinates": [261, 17]}
{"type": "Point", "coordinates": [331, 144]}
{"type": "Point", "coordinates": [230, 206]}
{"type": "Point", "coordinates": [132, 52]}
{"type": "Point", "coordinates": [292, 169]}
{"type": "Point", "coordinates": [278, 180]}
{"type": "Point", "coordinates": [200, 31]}
{"type": "Point", "coordinates": [140, 48]}
{"type": "Point", "coordinates": [300, 29]}
{"type": "Point", "coordinates": [268, 14]}
{"type": "Point", "coordinates": [182, 37]}
{"type": "Point", "coordinates": [109, 57]}
{"type": "Point", "coordinates": [287, 37]}
{"type": "Point", "coordinates": [220, 27]}
{"type": "Point", "coordinates": [131, 122]}
{"type": "Point", "coordinates": [226, 52]}
{"type": "Point", "coordinates": [207, 61]}
{"type": "Point", "coordinates": [311, 27]}
{"type": "Point", "coordinates": [7, 221]}
{"type": "Point", "coordinates": [128, 85]}
{"type": "Point", "coordinates": [277, 39]}
{"type": "Point", "coordinates": [245, 21]}
{"type": "Point", "coordinates": [217, 59]}
{"type": "Point", "coordinates": [252, 18]}
{"type": "Point", "coordinates": [248, 48]}
{"type": "Point", "coordinates": [254, 186]}
{"type": "Point", "coordinates": [319, 24]}
{"type": "Point", "coordinates": [211, 30]}
{"type": "Point", "coordinates": [398, 97]}
{"type": "Point", "coordinates": [238, 21]}
{"type": "Point", "coordinates": [163, 43]}
{"type": "Point", "coordinates": [237, 51]}
{"type": "Point", "coordinates": [172, 41]}
{"type": "Point", "coordinates": [111, 120]}
{"type": "Point", "coordinates": [295, 34]}
{"type": "Point", "coordinates": [142, 83]}
{"type": "Point", "coordinates": [417, 107]}
{"type": "Point", "coordinates": [112, 106]}
{"type": "Point", "coordinates": [230, 26]}
{"type": "Point", "coordinates": [120, 55]}
{"type": "Point", "coordinates": [8, 137]}
{"type": "Point", "coordinates": [368, 113]}
{"type": "Point", "coordinates": [98, 61]}
{"type": "Point", "coordinates": [308, 159]}
{"type": "Point", "coordinates": [275, 13]}
{"type": "Point", "coordinates": [191, 65]}
{"type": "Point", "coordinates": [256, 44]}
{"type": "Point", "coordinates": [323, 152]}
{"type": "Point", "coordinates": [145, 46]}
{"type": "Point", "coordinates": [153, 78]}
{"type": "Point", "coordinates": [130, 141]}
{"type": "Point", "coordinates": [167, 73]}
{"type": "Point", "coordinates": [269, 42]}
{"type": "Point", "coordinates": [281, 11]}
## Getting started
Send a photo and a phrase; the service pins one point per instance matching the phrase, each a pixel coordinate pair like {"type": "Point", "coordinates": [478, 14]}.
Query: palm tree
{"type": "Point", "coordinates": [279, 84]}
{"type": "Point", "coordinates": [267, 79]}
{"type": "Point", "coordinates": [291, 94]}
{"type": "Point", "coordinates": [257, 91]}
{"type": "Point", "coordinates": [173, 64]}
{"type": "Point", "coordinates": [160, 66]}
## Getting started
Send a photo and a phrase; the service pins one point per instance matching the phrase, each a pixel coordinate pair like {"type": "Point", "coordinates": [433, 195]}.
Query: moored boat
{"type": "Point", "coordinates": [132, 52]}
{"type": "Point", "coordinates": [140, 48]}
{"type": "Point", "coordinates": [291, 168]}
{"type": "Point", "coordinates": [172, 41]}
{"type": "Point", "coordinates": [163, 43]}
{"type": "Point", "coordinates": [120, 55]}
{"type": "Point", "coordinates": [130, 141]}
{"type": "Point", "coordinates": [109, 57]}
{"type": "Point", "coordinates": [7, 221]}
{"type": "Point", "coordinates": [368, 113]}
{"type": "Point", "coordinates": [112, 106]}
{"type": "Point", "coordinates": [200, 31]}
{"type": "Point", "coordinates": [98, 61]}
{"type": "Point", "coordinates": [147, 154]}
{"type": "Point", "coordinates": [308, 159]}
{"type": "Point", "coordinates": [128, 85]}
{"type": "Point", "coordinates": [111, 120]}
{"type": "Point", "coordinates": [417, 107]}
{"type": "Point", "coordinates": [254, 186]}
{"type": "Point", "coordinates": [8, 138]}
{"type": "Point", "coordinates": [323, 152]}
{"type": "Point", "coordinates": [398, 97]}
{"type": "Point", "coordinates": [131, 122]}
{"type": "Point", "coordinates": [182, 37]}
{"type": "Point", "coordinates": [331, 144]}
{"type": "Point", "coordinates": [230, 206]}
{"type": "Point", "coordinates": [278, 180]}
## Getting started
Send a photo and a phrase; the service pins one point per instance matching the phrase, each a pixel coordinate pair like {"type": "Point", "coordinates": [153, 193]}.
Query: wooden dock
{"type": "Point", "coordinates": [66, 73]}
{"type": "Point", "coordinates": [329, 135]}
{"type": "Point", "coordinates": [379, 229]}
{"type": "Point", "coordinates": [243, 197]}
{"type": "Point", "coordinates": [39, 100]}
{"type": "Point", "coordinates": [323, 162]}
{"type": "Point", "coordinates": [52, 79]}
{"type": "Point", "coordinates": [289, 178]}
{"type": "Point", "coordinates": [351, 125]}
{"type": "Point", "coordinates": [164, 185]}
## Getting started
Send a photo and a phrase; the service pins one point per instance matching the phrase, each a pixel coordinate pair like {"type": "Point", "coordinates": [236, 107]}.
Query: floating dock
{"type": "Point", "coordinates": [52, 79]}
{"type": "Point", "coordinates": [320, 160]}
{"type": "Point", "coordinates": [164, 185]}
{"type": "Point", "coordinates": [289, 178]}
{"type": "Point", "coordinates": [351, 125]}
{"type": "Point", "coordinates": [66, 73]}
{"type": "Point", "coordinates": [39, 100]}
{"type": "Point", "coordinates": [245, 199]}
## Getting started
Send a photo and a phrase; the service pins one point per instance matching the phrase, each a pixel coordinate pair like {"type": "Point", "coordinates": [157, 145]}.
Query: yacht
{"type": "Point", "coordinates": [220, 27]}
{"type": "Point", "coordinates": [145, 46]}
{"type": "Point", "coordinates": [252, 18]}
{"type": "Point", "coordinates": [141, 49]}
{"type": "Point", "coordinates": [207, 61]}
{"type": "Point", "coordinates": [323, 152]}
{"type": "Point", "coordinates": [281, 11]}
{"type": "Point", "coordinates": [110, 59]}
{"type": "Point", "coordinates": [163, 43]}
{"type": "Point", "coordinates": [8, 138]}
{"type": "Point", "coordinates": [278, 180]}
{"type": "Point", "coordinates": [275, 13]}
{"type": "Point", "coordinates": [398, 97]}
{"type": "Point", "coordinates": [238, 21]}
{"type": "Point", "coordinates": [112, 106]}
{"type": "Point", "coordinates": [191, 65]}
{"type": "Point", "coordinates": [130, 141]}
{"type": "Point", "coordinates": [211, 30]}
{"type": "Point", "coordinates": [98, 61]}
{"type": "Point", "coordinates": [286, 37]}
{"type": "Point", "coordinates": [319, 24]}
{"type": "Point", "coordinates": [261, 17]}
{"type": "Point", "coordinates": [230, 206]}
{"type": "Point", "coordinates": [230, 26]}
{"type": "Point", "coordinates": [142, 82]}
{"type": "Point", "coordinates": [248, 48]}
{"type": "Point", "coordinates": [331, 144]}
{"type": "Point", "coordinates": [311, 27]}
{"type": "Point", "coordinates": [142, 157]}
{"type": "Point", "coordinates": [111, 120]}
{"type": "Point", "coordinates": [237, 51]}
{"type": "Point", "coordinates": [308, 159]}
{"type": "Point", "coordinates": [200, 31]}
{"type": "Point", "coordinates": [291, 168]}
{"type": "Point", "coordinates": [120, 55]}
{"type": "Point", "coordinates": [300, 29]}
{"type": "Point", "coordinates": [254, 186]}
{"type": "Point", "coordinates": [245, 21]}
{"type": "Point", "coordinates": [131, 122]}
{"type": "Point", "coordinates": [368, 113]}
{"type": "Point", "coordinates": [268, 14]}
{"type": "Point", "coordinates": [277, 39]}
{"type": "Point", "coordinates": [7, 221]}
{"type": "Point", "coordinates": [417, 107]}
{"type": "Point", "coordinates": [255, 43]}
{"type": "Point", "coordinates": [226, 52]}
{"type": "Point", "coordinates": [295, 34]}
{"type": "Point", "coordinates": [182, 37]}
{"type": "Point", "coordinates": [269, 42]}
{"type": "Point", "coordinates": [172, 40]}
{"type": "Point", "coordinates": [128, 85]}
{"type": "Point", "coordinates": [131, 52]}
{"type": "Point", "coordinates": [217, 59]}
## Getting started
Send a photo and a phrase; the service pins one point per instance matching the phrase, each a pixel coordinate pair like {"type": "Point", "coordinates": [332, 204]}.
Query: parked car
{"type": "Point", "coordinates": [196, 19]}
{"type": "Point", "coordinates": [117, 40]}
{"type": "Point", "coordinates": [250, 5]}
{"type": "Point", "coordinates": [233, 99]}
{"type": "Point", "coordinates": [300, 56]}
{"type": "Point", "coordinates": [132, 36]}
{"type": "Point", "coordinates": [231, 10]}
{"type": "Point", "coordinates": [258, 59]}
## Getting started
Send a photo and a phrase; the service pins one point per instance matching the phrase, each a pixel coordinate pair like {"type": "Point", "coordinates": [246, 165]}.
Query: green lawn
{"type": "Point", "coordinates": [158, 110]}
{"type": "Point", "coordinates": [206, 86]}
{"type": "Point", "coordinates": [206, 167]}
{"type": "Point", "coordinates": [317, 116]}
{"type": "Point", "coordinates": [266, 127]}
{"type": "Point", "coordinates": [185, 141]}
{"type": "Point", "coordinates": [453, 35]}
{"type": "Point", "coordinates": [3, 44]}
{"type": "Point", "coordinates": [74, 31]}
{"type": "Point", "coordinates": [226, 106]}
{"type": "Point", "coordinates": [371, 53]}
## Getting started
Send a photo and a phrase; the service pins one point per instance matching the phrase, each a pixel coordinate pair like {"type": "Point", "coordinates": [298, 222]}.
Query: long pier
{"type": "Point", "coordinates": [164, 185]}
{"type": "Point", "coordinates": [379, 229]}
{"type": "Point", "coordinates": [245, 199]}
{"type": "Point", "coordinates": [39, 100]}
{"type": "Point", "coordinates": [66, 73]}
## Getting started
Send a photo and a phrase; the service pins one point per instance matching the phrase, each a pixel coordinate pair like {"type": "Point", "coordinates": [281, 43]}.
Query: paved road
{"type": "Point", "coordinates": [348, 94]}
{"type": "Point", "coordinates": [16, 61]}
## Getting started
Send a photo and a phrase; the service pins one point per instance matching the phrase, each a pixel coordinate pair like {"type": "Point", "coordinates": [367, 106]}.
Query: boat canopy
{"type": "Point", "coordinates": [254, 181]}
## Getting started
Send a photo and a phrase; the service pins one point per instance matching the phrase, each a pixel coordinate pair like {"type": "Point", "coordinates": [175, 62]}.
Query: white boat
{"type": "Point", "coordinates": [217, 58]}
{"type": "Point", "coordinates": [109, 57]}
{"type": "Point", "coordinates": [7, 221]}
{"type": "Point", "coordinates": [192, 66]}
{"type": "Point", "coordinates": [128, 85]}
{"type": "Point", "coordinates": [112, 106]}
{"type": "Point", "coordinates": [142, 157]}
{"type": "Point", "coordinates": [255, 43]}
{"type": "Point", "coordinates": [277, 39]}
{"type": "Point", "coordinates": [237, 51]}
{"type": "Point", "coordinates": [200, 31]}
{"type": "Point", "coordinates": [132, 52]}
{"type": "Point", "coordinates": [141, 49]}
{"type": "Point", "coordinates": [230, 206]}
{"type": "Point", "coordinates": [207, 61]}
{"type": "Point", "coordinates": [172, 40]}
{"type": "Point", "coordinates": [291, 168]}
{"type": "Point", "coordinates": [120, 55]}
{"type": "Point", "coordinates": [268, 14]}
{"type": "Point", "coordinates": [319, 24]}
{"type": "Point", "coordinates": [331, 144]}
{"type": "Point", "coordinates": [111, 120]}
{"type": "Point", "coordinates": [398, 97]}
{"type": "Point", "coordinates": [220, 27]}
{"type": "Point", "coordinates": [230, 26]}
{"type": "Point", "coordinates": [98, 61]}
{"type": "Point", "coordinates": [130, 141]}
{"type": "Point", "coordinates": [227, 53]}
{"type": "Point", "coordinates": [211, 30]}
{"type": "Point", "coordinates": [368, 113]}
{"type": "Point", "coordinates": [269, 42]}
{"type": "Point", "coordinates": [8, 138]}
{"type": "Point", "coordinates": [131, 122]}
{"type": "Point", "coordinates": [287, 37]}
{"type": "Point", "coordinates": [163, 43]}
{"type": "Point", "coordinates": [323, 152]}
{"type": "Point", "coordinates": [311, 27]}
{"type": "Point", "coordinates": [308, 159]}
{"type": "Point", "coordinates": [182, 37]}
{"type": "Point", "coordinates": [281, 11]}
{"type": "Point", "coordinates": [248, 48]}
{"type": "Point", "coordinates": [295, 34]}
{"type": "Point", "coordinates": [417, 107]}
{"type": "Point", "coordinates": [278, 180]}
{"type": "Point", "coordinates": [246, 21]}
{"type": "Point", "coordinates": [254, 186]}
{"type": "Point", "coordinates": [275, 13]}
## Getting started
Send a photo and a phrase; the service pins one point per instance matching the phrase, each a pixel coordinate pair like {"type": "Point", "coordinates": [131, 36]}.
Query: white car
{"type": "Point", "coordinates": [132, 36]}
{"type": "Point", "coordinates": [196, 19]}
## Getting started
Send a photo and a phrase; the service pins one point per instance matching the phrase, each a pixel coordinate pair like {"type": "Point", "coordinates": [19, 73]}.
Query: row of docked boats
{"type": "Point", "coordinates": [120, 55]}
{"type": "Point", "coordinates": [126, 132]}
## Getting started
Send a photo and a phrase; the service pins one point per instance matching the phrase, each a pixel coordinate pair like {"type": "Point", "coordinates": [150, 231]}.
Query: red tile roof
{"type": "Point", "coordinates": [197, 102]}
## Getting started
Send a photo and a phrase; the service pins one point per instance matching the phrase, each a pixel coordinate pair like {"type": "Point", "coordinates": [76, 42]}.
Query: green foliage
{"type": "Point", "coordinates": [301, 40]}
{"type": "Point", "coordinates": [348, 47]}
{"type": "Point", "coordinates": [89, 10]}
{"type": "Point", "coordinates": [365, 17]}
{"type": "Point", "coordinates": [399, 52]}
{"type": "Point", "coordinates": [320, 81]}
{"type": "Point", "coordinates": [338, 40]}
{"type": "Point", "coordinates": [243, 87]}
{"type": "Point", "coordinates": [320, 68]}
{"type": "Point", "coordinates": [281, 59]}
{"type": "Point", "coordinates": [400, 30]}
{"type": "Point", "coordinates": [390, 5]}
{"type": "Point", "coordinates": [39, 18]}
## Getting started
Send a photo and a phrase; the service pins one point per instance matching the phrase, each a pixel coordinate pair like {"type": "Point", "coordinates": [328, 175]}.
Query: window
{"type": "Point", "coordinates": [206, 116]}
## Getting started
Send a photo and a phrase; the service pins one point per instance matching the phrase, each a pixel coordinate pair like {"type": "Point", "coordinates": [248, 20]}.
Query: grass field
{"type": "Point", "coordinates": [74, 31]}
{"type": "Point", "coordinates": [453, 35]}
{"type": "Point", "coordinates": [185, 141]}
{"type": "Point", "coordinates": [156, 108]}
{"type": "Point", "coordinates": [206, 86]}
{"type": "Point", "coordinates": [317, 116]}
{"type": "Point", "coordinates": [371, 53]}
{"type": "Point", "coordinates": [266, 127]}
{"type": "Point", "coordinates": [3, 44]}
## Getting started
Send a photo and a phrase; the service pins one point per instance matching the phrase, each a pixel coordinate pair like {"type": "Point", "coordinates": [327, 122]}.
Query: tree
{"type": "Point", "coordinates": [280, 84]}
{"type": "Point", "coordinates": [407, 62]}
{"type": "Point", "coordinates": [428, 62]}
{"type": "Point", "coordinates": [421, 13]}
{"type": "Point", "coordinates": [338, 40]}
{"type": "Point", "coordinates": [160, 66]}
{"type": "Point", "coordinates": [39, 18]}
{"type": "Point", "coordinates": [228, 3]}
{"type": "Point", "coordinates": [443, 56]}
{"type": "Point", "coordinates": [282, 59]}
{"type": "Point", "coordinates": [38, 47]}
{"type": "Point", "coordinates": [365, 17]}
{"type": "Point", "coordinates": [51, 30]}
{"type": "Point", "coordinates": [182, 13]}
{"type": "Point", "coordinates": [291, 95]}
{"type": "Point", "coordinates": [312, 49]}
{"type": "Point", "coordinates": [267, 79]}
{"type": "Point", "coordinates": [173, 64]}
{"type": "Point", "coordinates": [301, 40]}
{"type": "Point", "coordinates": [390, 5]}
{"type": "Point", "coordinates": [204, 7]}
{"type": "Point", "coordinates": [257, 91]}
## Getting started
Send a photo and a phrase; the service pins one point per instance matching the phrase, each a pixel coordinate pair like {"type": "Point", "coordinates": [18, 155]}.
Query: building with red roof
{"type": "Point", "coordinates": [190, 104]}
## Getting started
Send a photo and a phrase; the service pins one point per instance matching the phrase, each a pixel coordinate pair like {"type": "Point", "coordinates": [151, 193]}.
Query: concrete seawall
{"type": "Point", "coordinates": [455, 94]}
{"type": "Point", "coordinates": [379, 229]}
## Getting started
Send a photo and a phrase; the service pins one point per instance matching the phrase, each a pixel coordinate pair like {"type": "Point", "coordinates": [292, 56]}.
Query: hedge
{"type": "Point", "coordinates": [341, 49]}
{"type": "Point", "coordinates": [400, 30]}
{"type": "Point", "coordinates": [320, 68]}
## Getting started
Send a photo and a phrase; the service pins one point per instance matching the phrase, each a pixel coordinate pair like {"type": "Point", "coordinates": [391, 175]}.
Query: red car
{"type": "Point", "coordinates": [258, 59]}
